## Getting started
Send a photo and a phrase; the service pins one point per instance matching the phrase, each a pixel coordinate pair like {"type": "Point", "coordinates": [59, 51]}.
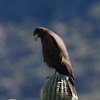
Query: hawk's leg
{"type": "Point", "coordinates": [52, 75]}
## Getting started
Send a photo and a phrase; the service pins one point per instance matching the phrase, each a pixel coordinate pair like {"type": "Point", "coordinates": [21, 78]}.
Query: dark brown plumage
{"type": "Point", "coordinates": [54, 52]}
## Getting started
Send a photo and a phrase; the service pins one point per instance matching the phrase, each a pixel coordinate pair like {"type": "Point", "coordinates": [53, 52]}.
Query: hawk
{"type": "Point", "coordinates": [54, 52]}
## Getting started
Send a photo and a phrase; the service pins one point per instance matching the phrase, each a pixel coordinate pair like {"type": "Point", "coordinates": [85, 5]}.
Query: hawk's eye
{"type": "Point", "coordinates": [41, 30]}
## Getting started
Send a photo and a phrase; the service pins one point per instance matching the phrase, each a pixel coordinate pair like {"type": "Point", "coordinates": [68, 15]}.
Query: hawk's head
{"type": "Point", "coordinates": [39, 32]}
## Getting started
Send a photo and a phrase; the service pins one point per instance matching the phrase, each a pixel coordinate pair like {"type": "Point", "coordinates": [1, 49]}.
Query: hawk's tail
{"type": "Point", "coordinates": [72, 87]}
{"type": "Point", "coordinates": [71, 79]}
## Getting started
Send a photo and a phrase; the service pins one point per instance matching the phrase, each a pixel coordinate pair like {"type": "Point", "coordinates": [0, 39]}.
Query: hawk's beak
{"type": "Point", "coordinates": [35, 37]}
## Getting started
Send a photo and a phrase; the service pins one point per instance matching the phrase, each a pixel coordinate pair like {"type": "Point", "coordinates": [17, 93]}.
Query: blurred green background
{"type": "Point", "coordinates": [22, 70]}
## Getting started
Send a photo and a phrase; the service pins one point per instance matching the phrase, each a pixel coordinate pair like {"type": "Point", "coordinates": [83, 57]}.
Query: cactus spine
{"type": "Point", "coordinates": [56, 88]}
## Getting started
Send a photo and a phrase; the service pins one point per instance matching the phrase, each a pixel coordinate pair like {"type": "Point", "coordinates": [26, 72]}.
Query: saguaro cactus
{"type": "Point", "coordinates": [57, 88]}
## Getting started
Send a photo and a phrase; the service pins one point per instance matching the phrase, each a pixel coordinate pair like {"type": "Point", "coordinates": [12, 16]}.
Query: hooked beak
{"type": "Point", "coordinates": [35, 37]}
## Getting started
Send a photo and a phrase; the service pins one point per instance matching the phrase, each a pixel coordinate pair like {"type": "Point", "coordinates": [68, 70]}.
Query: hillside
{"type": "Point", "coordinates": [22, 70]}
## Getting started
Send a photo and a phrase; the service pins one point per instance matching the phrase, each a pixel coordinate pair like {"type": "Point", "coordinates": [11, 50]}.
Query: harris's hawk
{"type": "Point", "coordinates": [54, 52]}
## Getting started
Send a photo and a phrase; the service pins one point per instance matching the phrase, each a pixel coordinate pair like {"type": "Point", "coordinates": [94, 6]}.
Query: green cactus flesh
{"type": "Point", "coordinates": [56, 88]}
